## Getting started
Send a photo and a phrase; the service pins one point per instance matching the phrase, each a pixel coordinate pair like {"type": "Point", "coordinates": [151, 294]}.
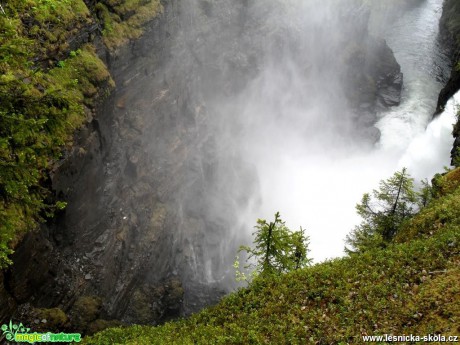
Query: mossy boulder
{"type": "Point", "coordinates": [156, 303]}
{"type": "Point", "coordinates": [100, 324]}
{"type": "Point", "coordinates": [85, 310]}
{"type": "Point", "coordinates": [49, 320]}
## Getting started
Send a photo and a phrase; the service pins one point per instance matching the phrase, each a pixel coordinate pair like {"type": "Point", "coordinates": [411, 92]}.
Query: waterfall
{"type": "Point", "coordinates": [429, 151]}
{"type": "Point", "coordinates": [229, 111]}
{"type": "Point", "coordinates": [317, 185]}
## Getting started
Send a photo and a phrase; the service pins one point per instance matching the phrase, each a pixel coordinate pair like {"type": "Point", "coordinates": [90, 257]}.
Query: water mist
{"type": "Point", "coordinates": [312, 166]}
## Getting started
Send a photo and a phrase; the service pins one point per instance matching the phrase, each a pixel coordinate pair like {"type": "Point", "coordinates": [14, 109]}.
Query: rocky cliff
{"type": "Point", "coordinates": [450, 37]}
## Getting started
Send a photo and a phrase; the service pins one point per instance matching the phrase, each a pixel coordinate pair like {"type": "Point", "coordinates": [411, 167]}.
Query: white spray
{"type": "Point", "coordinates": [316, 179]}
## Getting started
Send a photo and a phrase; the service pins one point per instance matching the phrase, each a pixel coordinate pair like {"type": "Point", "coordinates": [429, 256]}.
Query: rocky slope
{"type": "Point", "coordinates": [409, 287]}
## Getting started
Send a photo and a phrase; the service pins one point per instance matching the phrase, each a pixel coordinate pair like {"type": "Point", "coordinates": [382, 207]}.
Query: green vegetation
{"type": "Point", "coordinates": [443, 211]}
{"type": "Point", "coordinates": [410, 286]}
{"type": "Point", "coordinates": [123, 20]}
{"type": "Point", "coordinates": [43, 102]}
{"type": "Point", "coordinates": [47, 91]}
{"type": "Point", "coordinates": [55, 318]}
{"type": "Point", "coordinates": [384, 213]}
{"type": "Point", "coordinates": [277, 249]}
{"type": "Point", "coordinates": [456, 134]}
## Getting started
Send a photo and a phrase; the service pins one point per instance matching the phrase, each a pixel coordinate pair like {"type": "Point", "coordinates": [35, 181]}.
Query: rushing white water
{"type": "Point", "coordinates": [423, 150]}
{"type": "Point", "coordinates": [428, 152]}
{"type": "Point", "coordinates": [318, 188]}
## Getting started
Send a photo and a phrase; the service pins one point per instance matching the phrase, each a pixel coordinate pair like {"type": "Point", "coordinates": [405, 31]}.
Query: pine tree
{"type": "Point", "coordinates": [277, 249]}
{"type": "Point", "coordinates": [383, 213]}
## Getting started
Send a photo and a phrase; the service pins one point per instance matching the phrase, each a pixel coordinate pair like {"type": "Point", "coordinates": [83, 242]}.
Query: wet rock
{"type": "Point", "coordinates": [449, 36]}
{"type": "Point", "coordinates": [101, 324]}
{"type": "Point", "coordinates": [389, 91]}
{"type": "Point", "coordinates": [45, 320]}
{"type": "Point", "coordinates": [153, 304]}
{"type": "Point", "coordinates": [121, 102]}
{"type": "Point", "coordinates": [371, 134]}
{"type": "Point", "coordinates": [7, 302]}
{"type": "Point", "coordinates": [85, 310]}
{"type": "Point", "coordinates": [386, 73]}
{"type": "Point", "coordinates": [101, 240]}
{"type": "Point", "coordinates": [23, 277]}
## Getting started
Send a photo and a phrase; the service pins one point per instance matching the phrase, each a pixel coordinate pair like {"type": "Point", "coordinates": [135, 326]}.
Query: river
{"type": "Point", "coordinates": [320, 191]}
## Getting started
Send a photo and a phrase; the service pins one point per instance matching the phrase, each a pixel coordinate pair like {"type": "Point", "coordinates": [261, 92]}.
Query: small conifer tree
{"type": "Point", "coordinates": [276, 249]}
{"type": "Point", "coordinates": [386, 210]}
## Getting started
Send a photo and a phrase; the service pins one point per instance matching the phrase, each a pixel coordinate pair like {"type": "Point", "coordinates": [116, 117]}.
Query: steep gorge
{"type": "Point", "coordinates": [157, 185]}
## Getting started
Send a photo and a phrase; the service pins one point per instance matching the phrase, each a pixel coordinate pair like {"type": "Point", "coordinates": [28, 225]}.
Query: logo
{"type": "Point", "coordinates": [20, 334]}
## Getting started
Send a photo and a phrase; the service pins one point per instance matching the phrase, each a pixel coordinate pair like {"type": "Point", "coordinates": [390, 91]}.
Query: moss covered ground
{"type": "Point", "coordinates": [51, 78]}
{"type": "Point", "coordinates": [410, 287]}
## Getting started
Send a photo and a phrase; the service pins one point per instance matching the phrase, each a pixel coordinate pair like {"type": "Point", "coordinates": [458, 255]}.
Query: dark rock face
{"type": "Point", "coordinates": [450, 38]}
{"type": "Point", "coordinates": [155, 186]}
{"type": "Point", "coordinates": [7, 302]}
{"type": "Point", "coordinates": [389, 89]}
{"type": "Point", "coordinates": [451, 88]}
{"type": "Point", "coordinates": [381, 79]}
{"type": "Point", "coordinates": [373, 82]}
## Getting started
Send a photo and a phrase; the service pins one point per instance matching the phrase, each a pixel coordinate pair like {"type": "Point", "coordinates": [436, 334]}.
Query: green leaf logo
{"type": "Point", "coordinates": [9, 331]}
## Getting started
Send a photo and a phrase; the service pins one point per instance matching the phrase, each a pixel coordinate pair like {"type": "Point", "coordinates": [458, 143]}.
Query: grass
{"type": "Point", "coordinates": [409, 287]}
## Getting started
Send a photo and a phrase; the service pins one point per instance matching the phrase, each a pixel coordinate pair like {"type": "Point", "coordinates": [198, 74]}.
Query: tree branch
{"type": "Point", "coordinates": [393, 211]}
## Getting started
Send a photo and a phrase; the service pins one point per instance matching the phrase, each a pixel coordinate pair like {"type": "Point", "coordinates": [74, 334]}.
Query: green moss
{"type": "Point", "coordinates": [34, 113]}
{"type": "Point", "coordinates": [51, 23]}
{"type": "Point", "coordinates": [39, 112]}
{"type": "Point", "coordinates": [99, 325]}
{"type": "Point", "coordinates": [55, 319]}
{"type": "Point", "coordinates": [141, 305]}
{"type": "Point", "coordinates": [448, 182]}
{"type": "Point", "coordinates": [438, 305]}
{"type": "Point", "coordinates": [85, 311]}
{"type": "Point", "coordinates": [82, 76]}
{"type": "Point", "coordinates": [127, 20]}
{"type": "Point", "coordinates": [46, 91]}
